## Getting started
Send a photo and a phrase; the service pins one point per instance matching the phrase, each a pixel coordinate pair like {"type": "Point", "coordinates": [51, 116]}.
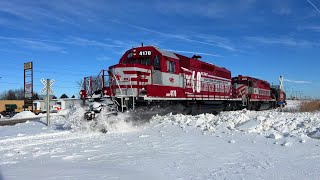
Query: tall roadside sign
{"type": "Point", "coordinates": [28, 85]}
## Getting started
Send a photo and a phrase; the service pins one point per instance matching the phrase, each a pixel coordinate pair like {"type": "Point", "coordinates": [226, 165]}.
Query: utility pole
{"type": "Point", "coordinates": [301, 95]}
{"type": "Point", "coordinates": [295, 94]}
{"type": "Point", "coordinates": [48, 102]}
{"type": "Point", "coordinates": [47, 87]}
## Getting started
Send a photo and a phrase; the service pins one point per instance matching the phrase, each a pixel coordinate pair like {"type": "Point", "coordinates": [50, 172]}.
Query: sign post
{"type": "Point", "coordinates": [47, 87]}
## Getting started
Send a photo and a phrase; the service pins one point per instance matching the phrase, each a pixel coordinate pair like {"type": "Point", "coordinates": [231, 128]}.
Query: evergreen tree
{"type": "Point", "coordinates": [36, 96]}
{"type": "Point", "coordinates": [64, 96]}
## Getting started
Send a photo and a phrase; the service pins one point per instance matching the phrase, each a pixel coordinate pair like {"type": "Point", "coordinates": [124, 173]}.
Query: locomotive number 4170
{"type": "Point", "coordinates": [144, 53]}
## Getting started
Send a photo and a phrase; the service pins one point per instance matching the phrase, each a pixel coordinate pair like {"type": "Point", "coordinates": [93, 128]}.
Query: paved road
{"type": "Point", "coordinates": [11, 122]}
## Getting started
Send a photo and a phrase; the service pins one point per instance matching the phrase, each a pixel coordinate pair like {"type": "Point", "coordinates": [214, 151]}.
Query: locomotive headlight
{"type": "Point", "coordinates": [143, 91]}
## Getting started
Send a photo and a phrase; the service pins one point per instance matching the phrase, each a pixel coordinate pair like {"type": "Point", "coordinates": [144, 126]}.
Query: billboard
{"type": "Point", "coordinates": [27, 65]}
{"type": "Point", "coordinates": [28, 84]}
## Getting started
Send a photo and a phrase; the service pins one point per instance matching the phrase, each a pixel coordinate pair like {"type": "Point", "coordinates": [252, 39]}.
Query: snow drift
{"type": "Point", "coordinates": [271, 124]}
{"type": "Point", "coordinates": [24, 114]}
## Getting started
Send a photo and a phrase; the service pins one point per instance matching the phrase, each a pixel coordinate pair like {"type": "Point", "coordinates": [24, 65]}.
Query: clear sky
{"type": "Point", "coordinates": [70, 39]}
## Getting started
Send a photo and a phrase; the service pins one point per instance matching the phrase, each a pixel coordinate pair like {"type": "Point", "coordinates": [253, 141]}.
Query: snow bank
{"type": "Point", "coordinates": [292, 105]}
{"type": "Point", "coordinates": [315, 134]}
{"type": "Point", "coordinates": [272, 124]}
{"type": "Point", "coordinates": [63, 112]}
{"type": "Point", "coordinates": [24, 114]}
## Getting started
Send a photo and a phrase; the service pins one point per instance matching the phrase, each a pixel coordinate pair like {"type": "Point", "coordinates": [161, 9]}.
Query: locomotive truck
{"type": "Point", "coordinates": [149, 76]}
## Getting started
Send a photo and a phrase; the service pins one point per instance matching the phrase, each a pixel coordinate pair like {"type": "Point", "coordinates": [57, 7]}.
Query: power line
{"type": "Point", "coordinates": [11, 83]}
{"type": "Point", "coordinates": [53, 72]}
{"type": "Point", "coordinates": [62, 69]}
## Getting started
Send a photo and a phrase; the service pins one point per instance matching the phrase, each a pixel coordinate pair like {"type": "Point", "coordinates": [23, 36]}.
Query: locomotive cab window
{"type": "Point", "coordinates": [171, 66]}
{"type": "Point", "coordinates": [156, 63]}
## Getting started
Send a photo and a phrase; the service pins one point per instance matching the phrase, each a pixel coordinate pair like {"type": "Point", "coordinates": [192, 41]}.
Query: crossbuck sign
{"type": "Point", "coordinates": [44, 89]}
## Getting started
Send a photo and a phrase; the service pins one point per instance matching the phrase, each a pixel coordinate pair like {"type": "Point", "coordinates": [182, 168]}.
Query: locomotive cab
{"type": "Point", "coordinates": [139, 74]}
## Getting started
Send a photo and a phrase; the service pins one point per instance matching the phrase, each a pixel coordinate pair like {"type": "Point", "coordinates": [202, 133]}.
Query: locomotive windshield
{"type": "Point", "coordinates": [141, 60]}
{"type": "Point", "coordinates": [130, 61]}
{"type": "Point", "coordinates": [145, 61]}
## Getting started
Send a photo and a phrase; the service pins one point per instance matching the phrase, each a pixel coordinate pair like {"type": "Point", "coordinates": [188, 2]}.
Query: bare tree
{"type": "Point", "coordinates": [80, 86]}
{"type": "Point", "coordinates": [12, 94]}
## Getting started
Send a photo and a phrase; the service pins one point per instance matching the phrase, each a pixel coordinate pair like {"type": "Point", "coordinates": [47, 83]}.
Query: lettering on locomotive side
{"type": "Point", "coordinates": [172, 93]}
{"type": "Point", "coordinates": [263, 92]}
{"type": "Point", "coordinates": [198, 83]}
{"type": "Point", "coordinates": [188, 80]}
{"type": "Point", "coordinates": [216, 87]}
{"type": "Point", "coordinates": [193, 81]}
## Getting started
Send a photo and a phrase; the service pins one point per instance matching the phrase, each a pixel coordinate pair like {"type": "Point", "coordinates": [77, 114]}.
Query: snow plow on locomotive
{"type": "Point", "coordinates": [149, 76]}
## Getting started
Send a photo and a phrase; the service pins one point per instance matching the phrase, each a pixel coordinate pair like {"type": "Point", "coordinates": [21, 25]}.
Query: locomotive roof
{"type": "Point", "coordinates": [252, 78]}
{"type": "Point", "coordinates": [179, 56]}
{"type": "Point", "coordinates": [166, 53]}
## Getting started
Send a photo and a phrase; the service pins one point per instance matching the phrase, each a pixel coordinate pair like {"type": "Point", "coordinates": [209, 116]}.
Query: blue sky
{"type": "Point", "coordinates": [67, 40]}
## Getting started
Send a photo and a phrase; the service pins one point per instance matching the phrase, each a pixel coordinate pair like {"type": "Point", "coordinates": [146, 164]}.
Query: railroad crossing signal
{"type": "Point", "coordinates": [281, 82]}
{"type": "Point", "coordinates": [44, 89]}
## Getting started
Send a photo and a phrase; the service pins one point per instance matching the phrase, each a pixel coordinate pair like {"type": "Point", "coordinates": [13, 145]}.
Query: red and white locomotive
{"type": "Point", "coordinates": [148, 75]}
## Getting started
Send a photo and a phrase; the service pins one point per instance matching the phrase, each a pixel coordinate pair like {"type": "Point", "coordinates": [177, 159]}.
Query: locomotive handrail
{"type": "Point", "coordinates": [131, 83]}
{"type": "Point", "coordinates": [132, 90]}
{"type": "Point", "coordinates": [118, 84]}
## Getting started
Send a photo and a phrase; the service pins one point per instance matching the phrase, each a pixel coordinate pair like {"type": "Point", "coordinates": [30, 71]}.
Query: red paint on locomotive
{"type": "Point", "coordinates": [169, 75]}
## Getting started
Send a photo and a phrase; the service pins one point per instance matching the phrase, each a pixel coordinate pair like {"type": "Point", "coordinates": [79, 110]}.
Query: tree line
{"type": "Point", "coordinates": [17, 94]}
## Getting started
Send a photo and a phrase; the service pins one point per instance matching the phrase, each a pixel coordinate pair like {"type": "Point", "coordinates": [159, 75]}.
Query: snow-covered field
{"type": "Point", "coordinates": [232, 145]}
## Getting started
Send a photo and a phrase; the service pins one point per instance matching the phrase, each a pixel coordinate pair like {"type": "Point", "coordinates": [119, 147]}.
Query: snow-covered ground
{"type": "Point", "coordinates": [232, 145]}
